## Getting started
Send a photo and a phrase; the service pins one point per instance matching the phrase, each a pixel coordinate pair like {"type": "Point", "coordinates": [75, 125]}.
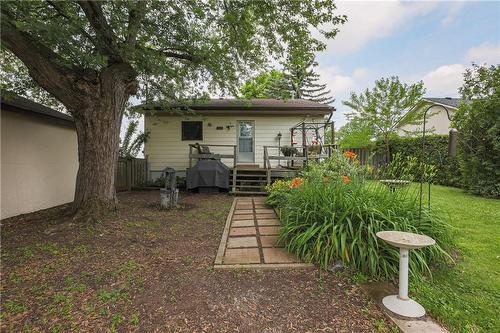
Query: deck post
{"type": "Point", "coordinates": [333, 132]}
{"type": "Point", "coordinates": [190, 159]}
{"type": "Point", "coordinates": [234, 169]}
{"type": "Point", "coordinates": [268, 177]}
{"type": "Point", "coordinates": [304, 138]}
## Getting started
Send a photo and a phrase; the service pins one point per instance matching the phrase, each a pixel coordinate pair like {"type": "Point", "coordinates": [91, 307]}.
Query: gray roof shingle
{"type": "Point", "coordinates": [247, 105]}
{"type": "Point", "coordinates": [448, 101]}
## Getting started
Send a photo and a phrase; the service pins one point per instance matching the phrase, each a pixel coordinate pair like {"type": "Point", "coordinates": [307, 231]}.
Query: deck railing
{"type": "Point", "coordinates": [195, 154]}
{"type": "Point", "coordinates": [293, 160]}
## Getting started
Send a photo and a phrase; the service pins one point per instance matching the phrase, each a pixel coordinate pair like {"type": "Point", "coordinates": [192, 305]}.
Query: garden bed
{"type": "Point", "coordinates": [144, 269]}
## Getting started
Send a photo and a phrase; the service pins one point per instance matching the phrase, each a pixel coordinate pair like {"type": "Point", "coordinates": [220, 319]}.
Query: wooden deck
{"type": "Point", "coordinates": [251, 179]}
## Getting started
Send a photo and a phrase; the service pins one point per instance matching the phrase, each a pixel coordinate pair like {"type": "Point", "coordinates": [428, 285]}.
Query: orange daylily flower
{"type": "Point", "coordinates": [350, 154]}
{"type": "Point", "coordinates": [296, 182]}
{"type": "Point", "coordinates": [346, 179]}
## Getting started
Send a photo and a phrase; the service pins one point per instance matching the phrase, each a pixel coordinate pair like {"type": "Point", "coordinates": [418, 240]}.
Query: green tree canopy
{"type": "Point", "coordinates": [387, 106]}
{"type": "Point", "coordinates": [478, 123]}
{"type": "Point", "coordinates": [258, 87]}
{"type": "Point", "coordinates": [355, 134]}
{"type": "Point", "coordinates": [93, 55]}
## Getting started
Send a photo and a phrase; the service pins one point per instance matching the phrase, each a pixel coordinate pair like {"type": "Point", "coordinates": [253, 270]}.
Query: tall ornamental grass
{"type": "Point", "coordinates": [332, 213]}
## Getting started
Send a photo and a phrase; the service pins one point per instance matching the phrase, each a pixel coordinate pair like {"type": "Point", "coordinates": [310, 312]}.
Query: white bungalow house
{"type": "Point", "coordinates": [437, 120]}
{"type": "Point", "coordinates": [244, 133]}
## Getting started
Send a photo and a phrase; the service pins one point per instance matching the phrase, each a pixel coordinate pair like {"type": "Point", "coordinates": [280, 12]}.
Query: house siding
{"type": "Point", "coordinates": [438, 122]}
{"type": "Point", "coordinates": [39, 163]}
{"type": "Point", "coordinates": [165, 147]}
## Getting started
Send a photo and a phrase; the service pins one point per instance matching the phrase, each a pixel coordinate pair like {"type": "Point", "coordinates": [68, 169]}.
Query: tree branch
{"type": "Point", "coordinates": [61, 12]}
{"type": "Point", "coordinates": [134, 22]}
{"type": "Point", "coordinates": [44, 65]}
{"type": "Point", "coordinates": [105, 35]}
{"type": "Point", "coordinates": [169, 53]}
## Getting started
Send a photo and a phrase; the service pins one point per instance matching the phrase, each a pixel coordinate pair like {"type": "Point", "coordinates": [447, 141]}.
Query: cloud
{"type": "Point", "coordinates": [454, 10]}
{"type": "Point", "coordinates": [444, 81]}
{"type": "Point", "coordinates": [342, 84]}
{"type": "Point", "coordinates": [372, 20]}
{"type": "Point", "coordinates": [487, 52]}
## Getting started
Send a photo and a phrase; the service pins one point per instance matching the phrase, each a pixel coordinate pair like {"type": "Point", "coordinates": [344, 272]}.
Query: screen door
{"type": "Point", "coordinates": [246, 141]}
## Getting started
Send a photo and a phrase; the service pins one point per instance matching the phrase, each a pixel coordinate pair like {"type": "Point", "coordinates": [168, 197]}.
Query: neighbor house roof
{"type": "Point", "coordinates": [239, 106]}
{"type": "Point", "coordinates": [446, 101]}
{"type": "Point", "coordinates": [18, 103]}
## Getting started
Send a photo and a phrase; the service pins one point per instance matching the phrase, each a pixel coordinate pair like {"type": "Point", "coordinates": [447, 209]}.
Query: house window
{"type": "Point", "coordinates": [192, 130]}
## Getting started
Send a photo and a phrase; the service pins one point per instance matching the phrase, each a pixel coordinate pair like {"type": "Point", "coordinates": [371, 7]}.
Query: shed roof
{"type": "Point", "coordinates": [229, 106]}
{"type": "Point", "coordinates": [33, 107]}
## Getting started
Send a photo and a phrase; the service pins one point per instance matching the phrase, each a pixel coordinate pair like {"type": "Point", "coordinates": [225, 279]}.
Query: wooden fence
{"type": "Point", "coordinates": [130, 173]}
{"type": "Point", "coordinates": [368, 157]}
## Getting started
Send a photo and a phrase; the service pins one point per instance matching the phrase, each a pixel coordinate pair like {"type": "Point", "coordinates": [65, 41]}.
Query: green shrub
{"type": "Point", "coordinates": [334, 214]}
{"type": "Point", "coordinates": [447, 169]}
{"type": "Point", "coordinates": [478, 125]}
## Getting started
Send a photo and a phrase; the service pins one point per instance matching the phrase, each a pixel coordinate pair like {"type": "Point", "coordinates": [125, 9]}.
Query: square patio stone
{"type": "Point", "coordinates": [278, 255]}
{"type": "Point", "coordinates": [244, 207]}
{"type": "Point", "coordinates": [243, 217]}
{"type": "Point", "coordinates": [242, 256]}
{"type": "Point", "coordinates": [268, 241]}
{"type": "Point", "coordinates": [244, 200]}
{"type": "Point", "coordinates": [243, 211]}
{"type": "Point", "coordinates": [264, 211]}
{"type": "Point", "coordinates": [268, 222]}
{"type": "Point", "coordinates": [259, 200]}
{"type": "Point", "coordinates": [266, 216]}
{"type": "Point", "coordinates": [243, 223]}
{"type": "Point", "coordinates": [234, 242]}
{"type": "Point", "coordinates": [267, 231]}
{"type": "Point", "coordinates": [244, 231]}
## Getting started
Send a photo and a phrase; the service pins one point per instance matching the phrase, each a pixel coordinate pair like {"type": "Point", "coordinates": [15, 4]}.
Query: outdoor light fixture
{"type": "Point", "coordinates": [452, 151]}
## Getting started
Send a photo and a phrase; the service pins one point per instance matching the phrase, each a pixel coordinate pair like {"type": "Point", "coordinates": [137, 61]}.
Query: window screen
{"type": "Point", "coordinates": [192, 130]}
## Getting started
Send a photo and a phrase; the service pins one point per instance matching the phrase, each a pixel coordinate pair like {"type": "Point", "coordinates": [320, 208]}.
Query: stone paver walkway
{"type": "Point", "coordinates": [249, 238]}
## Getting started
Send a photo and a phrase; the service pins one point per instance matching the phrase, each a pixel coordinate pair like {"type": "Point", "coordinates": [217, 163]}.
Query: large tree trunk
{"type": "Point", "coordinates": [98, 125]}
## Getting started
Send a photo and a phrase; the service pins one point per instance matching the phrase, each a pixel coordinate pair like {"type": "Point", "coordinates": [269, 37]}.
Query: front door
{"type": "Point", "coordinates": [246, 141]}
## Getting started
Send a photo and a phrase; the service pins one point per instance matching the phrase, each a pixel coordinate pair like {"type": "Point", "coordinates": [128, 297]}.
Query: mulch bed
{"type": "Point", "coordinates": [147, 270]}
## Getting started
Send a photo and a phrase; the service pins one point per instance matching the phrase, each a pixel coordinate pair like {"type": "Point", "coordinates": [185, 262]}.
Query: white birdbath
{"type": "Point", "coordinates": [394, 183]}
{"type": "Point", "coordinates": [401, 304]}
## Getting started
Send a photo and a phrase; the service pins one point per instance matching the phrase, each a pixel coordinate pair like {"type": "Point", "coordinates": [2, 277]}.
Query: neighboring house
{"type": "Point", "coordinates": [39, 157]}
{"type": "Point", "coordinates": [437, 120]}
{"type": "Point", "coordinates": [245, 126]}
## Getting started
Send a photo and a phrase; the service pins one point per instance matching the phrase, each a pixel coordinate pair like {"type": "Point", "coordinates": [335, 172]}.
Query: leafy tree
{"type": "Point", "coordinates": [387, 106]}
{"type": "Point", "coordinates": [258, 87]}
{"type": "Point", "coordinates": [132, 141]}
{"type": "Point", "coordinates": [355, 134]}
{"type": "Point", "coordinates": [93, 55]}
{"type": "Point", "coordinates": [301, 81]}
{"type": "Point", "coordinates": [478, 123]}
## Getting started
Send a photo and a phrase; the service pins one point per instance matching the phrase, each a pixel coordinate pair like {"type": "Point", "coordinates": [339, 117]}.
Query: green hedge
{"type": "Point", "coordinates": [436, 153]}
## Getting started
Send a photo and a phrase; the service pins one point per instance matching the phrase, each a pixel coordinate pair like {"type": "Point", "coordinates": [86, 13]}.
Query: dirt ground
{"type": "Point", "coordinates": [148, 270]}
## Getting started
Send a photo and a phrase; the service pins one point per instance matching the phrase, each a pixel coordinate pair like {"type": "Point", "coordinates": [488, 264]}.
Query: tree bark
{"type": "Point", "coordinates": [98, 124]}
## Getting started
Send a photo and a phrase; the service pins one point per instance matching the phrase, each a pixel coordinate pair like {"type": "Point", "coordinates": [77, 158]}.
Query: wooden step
{"type": "Point", "coordinates": [249, 180]}
{"type": "Point", "coordinates": [248, 192]}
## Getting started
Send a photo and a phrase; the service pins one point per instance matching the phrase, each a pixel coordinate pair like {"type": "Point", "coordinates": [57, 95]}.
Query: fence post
{"type": "Point", "coordinates": [128, 167]}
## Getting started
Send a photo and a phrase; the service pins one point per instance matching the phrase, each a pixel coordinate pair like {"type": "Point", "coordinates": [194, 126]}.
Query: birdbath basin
{"type": "Point", "coordinates": [406, 240]}
{"type": "Point", "coordinates": [394, 183]}
{"type": "Point", "coordinates": [401, 304]}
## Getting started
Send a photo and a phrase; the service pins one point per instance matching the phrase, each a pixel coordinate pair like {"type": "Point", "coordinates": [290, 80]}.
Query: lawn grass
{"type": "Point", "coordinates": [466, 297]}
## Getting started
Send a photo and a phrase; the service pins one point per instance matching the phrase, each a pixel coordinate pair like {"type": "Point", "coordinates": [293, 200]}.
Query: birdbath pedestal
{"type": "Point", "coordinates": [401, 304]}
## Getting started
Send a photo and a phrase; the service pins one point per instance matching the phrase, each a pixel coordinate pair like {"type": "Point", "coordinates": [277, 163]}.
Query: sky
{"type": "Point", "coordinates": [430, 41]}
